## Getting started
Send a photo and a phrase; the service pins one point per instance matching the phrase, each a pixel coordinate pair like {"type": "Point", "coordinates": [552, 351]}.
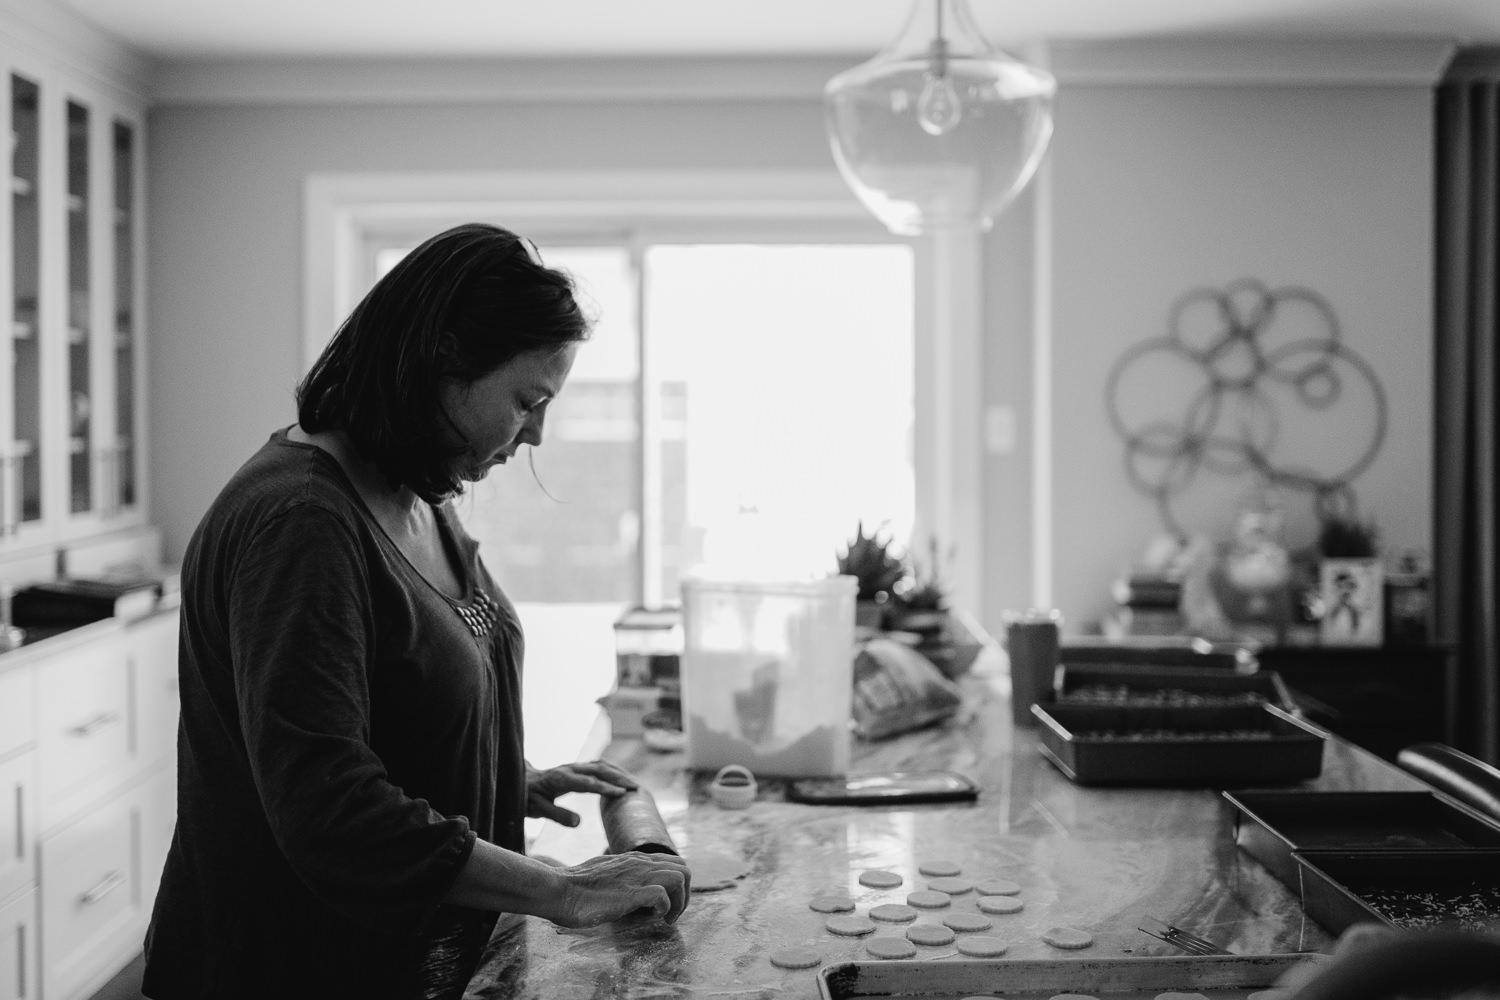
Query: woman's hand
{"type": "Point", "coordinates": [598, 776]}
{"type": "Point", "coordinates": [617, 886]}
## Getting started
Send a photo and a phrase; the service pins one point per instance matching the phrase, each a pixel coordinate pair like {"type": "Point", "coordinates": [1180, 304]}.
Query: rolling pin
{"type": "Point", "coordinates": [632, 823]}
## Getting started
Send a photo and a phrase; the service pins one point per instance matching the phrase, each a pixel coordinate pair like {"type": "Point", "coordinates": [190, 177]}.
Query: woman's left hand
{"type": "Point", "coordinates": [598, 776]}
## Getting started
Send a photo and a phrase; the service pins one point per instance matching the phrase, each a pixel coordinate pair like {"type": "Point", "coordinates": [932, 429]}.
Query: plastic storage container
{"type": "Point", "coordinates": [768, 675]}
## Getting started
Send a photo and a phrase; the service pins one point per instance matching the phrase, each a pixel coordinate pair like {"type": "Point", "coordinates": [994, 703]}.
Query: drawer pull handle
{"type": "Point", "coordinates": [101, 721]}
{"type": "Point", "coordinates": [107, 885]}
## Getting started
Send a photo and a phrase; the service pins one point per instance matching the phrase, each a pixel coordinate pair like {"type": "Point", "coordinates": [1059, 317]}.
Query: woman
{"type": "Point", "coordinates": [351, 786]}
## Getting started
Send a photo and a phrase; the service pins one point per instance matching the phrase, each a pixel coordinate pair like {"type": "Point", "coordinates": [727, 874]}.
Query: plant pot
{"type": "Point", "coordinates": [869, 613]}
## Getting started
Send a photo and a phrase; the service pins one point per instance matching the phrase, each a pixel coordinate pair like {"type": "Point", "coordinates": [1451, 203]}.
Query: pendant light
{"type": "Point", "coordinates": [940, 130]}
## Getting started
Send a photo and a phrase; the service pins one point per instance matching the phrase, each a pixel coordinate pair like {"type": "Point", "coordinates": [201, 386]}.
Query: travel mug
{"type": "Point", "coordinates": [1031, 641]}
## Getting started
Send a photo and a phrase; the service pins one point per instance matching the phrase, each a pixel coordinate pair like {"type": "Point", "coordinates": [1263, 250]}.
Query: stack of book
{"type": "Point", "coordinates": [1146, 604]}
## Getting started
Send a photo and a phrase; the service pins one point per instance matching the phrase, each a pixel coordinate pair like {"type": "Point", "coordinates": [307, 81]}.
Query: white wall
{"type": "Point", "coordinates": [1153, 186]}
{"type": "Point", "coordinates": [1161, 189]}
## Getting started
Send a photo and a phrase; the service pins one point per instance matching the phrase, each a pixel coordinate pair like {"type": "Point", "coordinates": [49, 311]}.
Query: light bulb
{"type": "Point", "coordinates": [939, 109]}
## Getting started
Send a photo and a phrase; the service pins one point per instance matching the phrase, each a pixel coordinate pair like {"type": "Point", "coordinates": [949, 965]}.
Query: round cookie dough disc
{"type": "Point", "coordinates": [850, 926]}
{"type": "Point", "coordinates": [712, 872]}
{"type": "Point", "coordinates": [1176, 995]}
{"type": "Point", "coordinates": [890, 947]}
{"type": "Point", "coordinates": [893, 913]}
{"type": "Point", "coordinates": [939, 868]}
{"type": "Point", "coordinates": [999, 904]}
{"type": "Point", "coordinates": [1070, 938]}
{"type": "Point", "coordinates": [981, 946]}
{"type": "Point", "coordinates": [1072, 996]}
{"type": "Point", "coordinates": [952, 885]}
{"type": "Point", "coordinates": [832, 903]}
{"type": "Point", "coordinates": [876, 879]}
{"type": "Point", "coordinates": [968, 923]}
{"type": "Point", "coordinates": [929, 934]}
{"type": "Point", "coordinates": [796, 958]}
{"type": "Point", "coordinates": [997, 887]}
{"type": "Point", "coordinates": [928, 899]}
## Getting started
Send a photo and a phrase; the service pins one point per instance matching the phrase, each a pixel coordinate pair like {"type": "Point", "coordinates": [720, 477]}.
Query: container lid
{"type": "Point", "coordinates": [830, 586]}
{"type": "Point", "coordinates": [650, 618]}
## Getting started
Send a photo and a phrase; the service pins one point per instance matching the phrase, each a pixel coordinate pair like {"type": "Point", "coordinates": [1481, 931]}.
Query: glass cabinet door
{"type": "Point", "coordinates": [21, 478]}
{"type": "Point", "coordinates": [124, 456]}
{"type": "Point", "coordinates": [80, 364]}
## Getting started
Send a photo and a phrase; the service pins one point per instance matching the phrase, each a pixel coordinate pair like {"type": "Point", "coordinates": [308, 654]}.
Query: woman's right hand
{"type": "Point", "coordinates": [615, 886]}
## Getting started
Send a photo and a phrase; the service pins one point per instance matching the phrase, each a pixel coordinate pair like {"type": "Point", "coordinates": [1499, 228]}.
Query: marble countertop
{"type": "Point", "coordinates": [1096, 859]}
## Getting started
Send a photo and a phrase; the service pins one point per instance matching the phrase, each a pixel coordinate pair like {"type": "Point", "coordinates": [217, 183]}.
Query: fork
{"type": "Point", "coordinates": [1191, 943]}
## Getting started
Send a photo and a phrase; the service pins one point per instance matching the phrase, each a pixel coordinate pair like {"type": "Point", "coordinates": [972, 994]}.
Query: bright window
{"type": "Point", "coordinates": [740, 402]}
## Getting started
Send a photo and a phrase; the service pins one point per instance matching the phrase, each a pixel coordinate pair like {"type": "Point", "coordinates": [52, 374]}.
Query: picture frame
{"type": "Point", "coordinates": [1353, 593]}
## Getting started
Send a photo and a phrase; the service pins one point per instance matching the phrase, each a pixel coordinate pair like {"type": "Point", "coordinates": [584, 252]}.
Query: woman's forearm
{"type": "Point", "coordinates": [601, 889]}
{"type": "Point", "coordinates": [506, 882]}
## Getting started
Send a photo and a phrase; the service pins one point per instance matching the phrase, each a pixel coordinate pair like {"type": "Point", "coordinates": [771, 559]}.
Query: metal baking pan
{"type": "Point", "coordinates": [1270, 825]}
{"type": "Point", "coordinates": [1427, 890]}
{"type": "Point", "coordinates": [1192, 746]}
{"type": "Point", "coordinates": [1160, 651]}
{"type": "Point", "coordinates": [1216, 976]}
{"type": "Point", "coordinates": [1130, 683]}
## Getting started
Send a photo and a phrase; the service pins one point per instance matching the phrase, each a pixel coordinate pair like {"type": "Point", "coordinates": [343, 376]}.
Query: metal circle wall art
{"type": "Point", "coordinates": [1215, 393]}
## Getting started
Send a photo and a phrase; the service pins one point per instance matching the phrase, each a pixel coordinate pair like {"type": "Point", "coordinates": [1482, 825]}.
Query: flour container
{"type": "Point", "coordinates": [768, 675]}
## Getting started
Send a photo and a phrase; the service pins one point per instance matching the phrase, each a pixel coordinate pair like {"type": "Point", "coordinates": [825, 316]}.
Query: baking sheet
{"type": "Point", "coordinates": [1270, 825]}
{"type": "Point", "coordinates": [1074, 682]}
{"type": "Point", "coordinates": [1417, 890]}
{"type": "Point", "coordinates": [1219, 977]}
{"type": "Point", "coordinates": [1159, 745]}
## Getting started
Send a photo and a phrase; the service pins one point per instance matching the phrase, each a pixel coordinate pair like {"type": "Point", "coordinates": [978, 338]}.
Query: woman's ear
{"type": "Point", "coordinates": [447, 348]}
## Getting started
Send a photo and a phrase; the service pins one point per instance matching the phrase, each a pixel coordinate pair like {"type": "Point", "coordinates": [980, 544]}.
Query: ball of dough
{"type": "Point", "coordinates": [796, 958]}
{"type": "Point", "coordinates": [876, 879]}
{"type": "Point", "coordinates": [999, 904]}
{"type": "Point", "coordinates": [832, 903]}
{"type": "Point", "coordinates": [893, 913]}
{"type": "Point", "coordinates": [967, 923]}
{"type": "Point", "coordinates": [890, 947]}
{"type": "Point", "coordinates": [850, 926]}
{"type": "Point", "coordinates": [928, 899]}
{"type": "Point", "coordinates": [981, 946]}
{"type": "Point", "coordinates": [1070, 938]}
{"type": "Point", "coordinates": [929, 934]}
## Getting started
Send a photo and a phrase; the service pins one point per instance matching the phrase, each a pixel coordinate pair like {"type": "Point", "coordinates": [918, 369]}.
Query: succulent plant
{"type": "Point", "coordinates": [1347, 537]}
{"type": "Point", "coordinates": [925, 589]}
{"type": "Point", "coordinates": [871, 561]}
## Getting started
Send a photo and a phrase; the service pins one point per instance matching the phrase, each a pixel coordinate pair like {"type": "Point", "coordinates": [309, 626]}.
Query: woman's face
{"type": "Point", "coordinates": [493, 416]}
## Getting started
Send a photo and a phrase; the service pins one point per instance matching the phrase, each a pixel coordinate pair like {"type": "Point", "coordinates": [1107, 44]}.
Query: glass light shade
{"type": "Point", "coordinates": [940, 130]}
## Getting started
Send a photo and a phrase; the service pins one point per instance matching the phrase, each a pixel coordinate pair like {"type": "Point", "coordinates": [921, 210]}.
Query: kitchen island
{"type": "Point", "coordinates": [1095, 859]}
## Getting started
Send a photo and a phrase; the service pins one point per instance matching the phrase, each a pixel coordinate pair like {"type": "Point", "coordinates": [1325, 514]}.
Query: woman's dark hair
{"type": "Point", "coordinates": [458, 307]}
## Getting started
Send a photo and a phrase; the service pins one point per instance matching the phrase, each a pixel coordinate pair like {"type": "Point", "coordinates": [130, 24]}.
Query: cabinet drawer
{"type": "Point", "coordinates": [18, 957]}
{"type": "Point", "coordinates": [151, 653]}
{"type": "Point", "coordinates": [83, 742]}
{"type": "Point", "coordinates": [91, 897]}
{"type": "Point", "coordinates": [17, 826]}
{"type": "Point", "coordinates": [17, 709]}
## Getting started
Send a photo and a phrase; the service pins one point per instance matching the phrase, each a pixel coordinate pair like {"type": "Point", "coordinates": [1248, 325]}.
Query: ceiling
{"type": "Point", "coordinates": [213, 29]}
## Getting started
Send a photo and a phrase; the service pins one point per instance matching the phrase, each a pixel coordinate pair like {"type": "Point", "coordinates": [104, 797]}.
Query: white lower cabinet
{"type": "Point", "coordinates": [91, 897]}
{"type": "Point", "coordinates": [87, 804]}
{"type": "Point", "coordinates": [17, 824]}
{"type": "Point", "coordinates": [18, 945]}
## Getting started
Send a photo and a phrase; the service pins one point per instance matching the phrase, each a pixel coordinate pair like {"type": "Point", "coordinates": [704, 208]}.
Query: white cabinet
{"type": "Point", "coordinates": [17, 823]}
{"type": "Point", "coordinates": [92, 897]}
{"type": "Point", "coordinates": [84, 727]}
{"type": "Point", "coordinates": [88, 789]}
{"type": "Point", "coordinates": [71, 337]}
{"type": "Point", "coordinates": [18, 948]}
